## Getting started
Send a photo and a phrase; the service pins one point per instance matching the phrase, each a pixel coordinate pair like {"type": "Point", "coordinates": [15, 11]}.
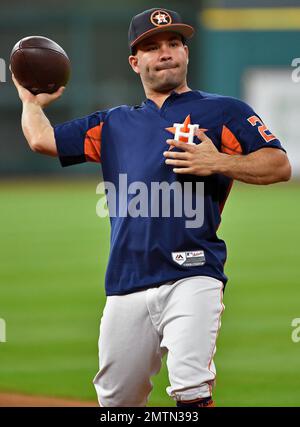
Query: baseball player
{"type": "Point", "coordinates": [164, 280]}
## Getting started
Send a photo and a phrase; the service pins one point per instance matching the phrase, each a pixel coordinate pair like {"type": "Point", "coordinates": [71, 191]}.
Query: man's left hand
{"type": "Point", "coordinates": [201, 159]}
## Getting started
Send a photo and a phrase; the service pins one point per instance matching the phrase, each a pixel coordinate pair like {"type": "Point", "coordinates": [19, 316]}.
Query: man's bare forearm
{"type": "Point", "coordinates": [37, 129]}
{"type": "Point", "coordinates": [265, 166]}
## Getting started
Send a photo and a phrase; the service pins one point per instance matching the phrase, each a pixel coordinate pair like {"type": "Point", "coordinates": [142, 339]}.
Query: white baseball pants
{"type": "Point", "coordinates": [179, 318]}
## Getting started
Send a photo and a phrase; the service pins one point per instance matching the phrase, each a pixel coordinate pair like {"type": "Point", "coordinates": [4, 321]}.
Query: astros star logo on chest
{"type": "Point", "coordinates": [185, 131]}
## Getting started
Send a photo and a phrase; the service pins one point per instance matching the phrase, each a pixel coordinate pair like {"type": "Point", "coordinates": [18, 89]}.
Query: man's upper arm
{"type": "Point", "coordinates": [79, 140]}
{"type": "Point", "coordinates": [247, 128]}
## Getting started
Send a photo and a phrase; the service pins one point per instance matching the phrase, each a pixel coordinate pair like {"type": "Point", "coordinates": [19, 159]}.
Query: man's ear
{"type": "Point", "coordinates": [133, 61]}
{"type": "Point", "coordinates": [187, 53]}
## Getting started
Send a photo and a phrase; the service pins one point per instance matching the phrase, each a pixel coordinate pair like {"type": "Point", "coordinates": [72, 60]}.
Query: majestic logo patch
{"type": "Point", "coordinates": [185, 131]}
{"type": "Point", "coordinates": [160, 17]}
{"type": "Point", "coordinates": [189, 258]}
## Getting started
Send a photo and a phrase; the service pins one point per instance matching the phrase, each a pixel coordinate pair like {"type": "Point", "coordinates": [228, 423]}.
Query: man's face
{"type": "Point", "coordinates": [161, 60]}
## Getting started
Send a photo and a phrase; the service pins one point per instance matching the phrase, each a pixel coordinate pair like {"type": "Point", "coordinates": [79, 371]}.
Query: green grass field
{"type": "Point", "coordinates": [53, 254]}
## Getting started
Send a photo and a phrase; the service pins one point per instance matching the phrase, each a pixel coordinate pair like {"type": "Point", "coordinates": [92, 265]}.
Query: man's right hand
{"type": "Point", "coordinates": [43, 99]}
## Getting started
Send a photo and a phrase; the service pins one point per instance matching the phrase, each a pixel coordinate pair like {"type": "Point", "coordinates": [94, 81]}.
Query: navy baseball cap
{"type": "Point", "coordinates": [154, 21]}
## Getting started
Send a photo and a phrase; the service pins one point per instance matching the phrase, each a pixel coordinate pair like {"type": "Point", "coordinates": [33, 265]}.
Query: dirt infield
{"type": "Point", "coordinates": [21, 400]}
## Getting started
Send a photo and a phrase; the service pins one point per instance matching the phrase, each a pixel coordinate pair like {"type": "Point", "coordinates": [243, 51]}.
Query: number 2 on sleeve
{"type": "Point", "coordinates": [262, 129]}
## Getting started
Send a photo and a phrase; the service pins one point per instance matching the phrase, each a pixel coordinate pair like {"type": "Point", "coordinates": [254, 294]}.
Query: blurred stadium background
{"type": "Point", "coordinates": [54, 248]}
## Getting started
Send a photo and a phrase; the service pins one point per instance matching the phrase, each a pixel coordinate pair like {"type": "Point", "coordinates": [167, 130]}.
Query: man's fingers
{"type": "Point", "coordinates": [182, 145]}
{"type": "Point", "coordinates": [17, 84]}
{"type": "Point", "coordinates": [14, 80]}
{"type": "Point", "coordinates": [176, 155]}
{"type": "Point", "coordinates": [42, 99]}
{"type": "Point", "coordinates": [55, 95]}
{"type": "Point", "coordinates": [201, 135]}
{"type": "Point", "coordinates": [183, 170]}
{"type": "Point", "coordinates": [21, 90]}
{"type": "Point", "coordinates": [51, 96]}
{"type": "Point", "coordinates": [60, 91]}
{"type": "Point", "coordinates": [174, 162]}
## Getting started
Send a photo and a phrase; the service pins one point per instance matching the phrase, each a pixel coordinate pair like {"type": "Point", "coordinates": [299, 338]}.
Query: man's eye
{"type": "Point", "coordinates": [174, 44]}
{"type": "Point", "coordinates": [151, 48]}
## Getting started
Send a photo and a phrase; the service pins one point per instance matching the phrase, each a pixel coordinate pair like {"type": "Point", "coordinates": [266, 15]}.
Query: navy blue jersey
{"type": "Point", "coordinates": [148, 250]}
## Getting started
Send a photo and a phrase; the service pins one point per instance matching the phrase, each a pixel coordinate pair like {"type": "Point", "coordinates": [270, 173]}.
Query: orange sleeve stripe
{"type": "Point", "coordinates": [92, 144]}
{"type": "Point", "coordinates": [230, 145]}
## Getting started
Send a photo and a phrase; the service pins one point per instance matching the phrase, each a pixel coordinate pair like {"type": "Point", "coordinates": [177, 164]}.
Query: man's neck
{"type": "Point", "coordinates": [159, 98]}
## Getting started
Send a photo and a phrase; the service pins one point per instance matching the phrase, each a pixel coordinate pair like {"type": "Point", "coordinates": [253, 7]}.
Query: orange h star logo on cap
{"type": "Point", "coordinates": [160, 17]}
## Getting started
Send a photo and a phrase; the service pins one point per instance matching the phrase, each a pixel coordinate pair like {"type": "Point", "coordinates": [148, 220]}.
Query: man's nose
{"type": "Point", "coordinates": [165, 53]}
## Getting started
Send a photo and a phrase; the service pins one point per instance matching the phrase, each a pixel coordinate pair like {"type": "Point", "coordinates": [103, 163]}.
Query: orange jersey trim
{"type": "Point", "coordinates": [229, 143]}
{"type": "Point", "coordinates": [92, 144]}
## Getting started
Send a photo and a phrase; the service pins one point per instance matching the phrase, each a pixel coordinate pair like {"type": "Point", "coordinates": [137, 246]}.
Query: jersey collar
{"type": "Point", "coordinates": [173, 95]}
